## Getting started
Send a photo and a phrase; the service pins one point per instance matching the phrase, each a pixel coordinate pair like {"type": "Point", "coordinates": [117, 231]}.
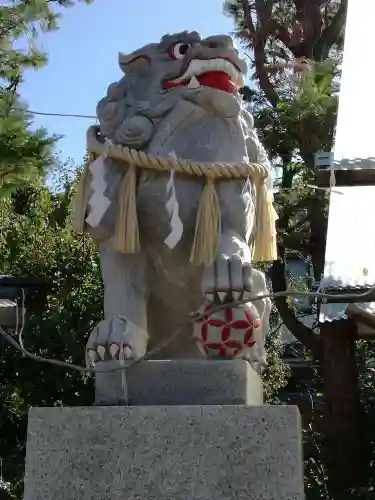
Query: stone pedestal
{"type": "Point", "coordinates": [185, 452]}
{"type": "Point", "coordinates": [179, 382]}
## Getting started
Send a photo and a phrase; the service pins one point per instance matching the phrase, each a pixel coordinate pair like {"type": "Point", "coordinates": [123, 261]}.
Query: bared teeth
{"type": "Point", "coordinates": [114, 349]}
{"type": "Point", "coordinates": [193, 84]}
{"type": "Point", "coordinates": [92, 355]}
{"type": "Point", "coordinates": [101, 351]}
{"type": "Point", "coordinates": [222, 296]}
{"type": "Point", "coordinates": [200, 66]}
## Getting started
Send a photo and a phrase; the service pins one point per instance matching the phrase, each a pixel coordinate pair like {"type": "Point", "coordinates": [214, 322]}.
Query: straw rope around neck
{"type": "Point", "coordinates": [207, 228]}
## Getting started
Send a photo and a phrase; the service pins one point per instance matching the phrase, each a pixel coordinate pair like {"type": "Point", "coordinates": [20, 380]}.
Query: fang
{"type": "Point", "coordinates": [193, 84]}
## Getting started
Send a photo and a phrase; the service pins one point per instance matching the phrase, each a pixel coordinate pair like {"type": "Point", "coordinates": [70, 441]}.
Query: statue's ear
{"type": "Point", "coordinates": [123, 60]}
{"type": "Point", "coordinates": [136, 62]}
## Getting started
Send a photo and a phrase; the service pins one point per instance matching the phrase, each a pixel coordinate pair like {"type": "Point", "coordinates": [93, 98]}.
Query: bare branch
{"type": "Point", "coordinates": [331, 32]}
{"type": "Point", "coordinates": [263, 12]}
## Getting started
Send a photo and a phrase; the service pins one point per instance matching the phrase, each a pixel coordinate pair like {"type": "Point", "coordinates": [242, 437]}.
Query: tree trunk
{"type": "Point", "coordinates": [344, 420]}
{"type": "Point", "coordinates": [303, 333]}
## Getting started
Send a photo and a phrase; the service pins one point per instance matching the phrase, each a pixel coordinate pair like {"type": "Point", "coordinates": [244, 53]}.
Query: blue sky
{"type": "Point", "coordinates": [83, 56]}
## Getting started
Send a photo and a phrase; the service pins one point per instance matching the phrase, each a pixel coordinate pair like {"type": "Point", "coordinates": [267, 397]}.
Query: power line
{"type": "Point", "coordinates": [350, 298]}
{"type": "Point", "coordinates": [91, 117]}
{"type": "Point", "coordinates": [65, 115]}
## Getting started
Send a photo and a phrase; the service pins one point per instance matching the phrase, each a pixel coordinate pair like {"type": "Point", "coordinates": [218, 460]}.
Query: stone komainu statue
{"type": "Point", "coordinates": [173, 233]}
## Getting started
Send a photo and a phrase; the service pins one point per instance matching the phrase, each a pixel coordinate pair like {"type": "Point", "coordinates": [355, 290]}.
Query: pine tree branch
{"type": "Point", "coordinates": [288, 212]}
{"type": "Point", "coordinates": [12, 87]}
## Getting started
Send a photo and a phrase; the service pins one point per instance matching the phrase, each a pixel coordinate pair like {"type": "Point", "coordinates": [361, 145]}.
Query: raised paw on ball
{"type": "Point", "coordinates": [227, 279]}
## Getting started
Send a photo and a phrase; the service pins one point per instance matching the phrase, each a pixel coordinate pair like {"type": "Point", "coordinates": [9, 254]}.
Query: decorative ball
{"type": "Point", "coordinates": [226, 333]}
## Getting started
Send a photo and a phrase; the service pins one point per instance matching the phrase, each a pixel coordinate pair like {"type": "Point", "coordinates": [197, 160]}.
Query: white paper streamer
{"type": "Point", "coordinates": [172, 206]}
{"type": "Point", "coordinates": [98, 202]}
{"type": "Point", "coordinates": [247, 193]}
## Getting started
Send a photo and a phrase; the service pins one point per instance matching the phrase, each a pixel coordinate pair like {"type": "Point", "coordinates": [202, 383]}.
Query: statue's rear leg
{"type": "Point", "coordinates": [123, 332]}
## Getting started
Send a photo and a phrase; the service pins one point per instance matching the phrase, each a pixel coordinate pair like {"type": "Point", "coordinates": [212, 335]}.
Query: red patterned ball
{"type": "Point", "coordinates": [228, 332]}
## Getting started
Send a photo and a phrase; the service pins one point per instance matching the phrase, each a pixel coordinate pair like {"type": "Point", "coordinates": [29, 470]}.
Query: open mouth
{"type": "Point", "coordinates": [218, 73]}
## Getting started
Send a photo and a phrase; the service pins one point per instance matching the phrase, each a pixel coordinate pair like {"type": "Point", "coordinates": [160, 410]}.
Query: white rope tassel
{"type": "Point", "coordinates": [248, 195]}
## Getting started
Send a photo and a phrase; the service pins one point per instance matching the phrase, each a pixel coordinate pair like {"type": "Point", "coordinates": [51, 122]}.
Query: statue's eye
{"type": "Point", "coordinates": [179, 50]}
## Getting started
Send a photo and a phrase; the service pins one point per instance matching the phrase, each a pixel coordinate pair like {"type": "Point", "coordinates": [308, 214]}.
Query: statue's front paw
{"type": "Point", "coordinates": [116, 338]}
{"type": "Point", "coordinates": [227, 279]}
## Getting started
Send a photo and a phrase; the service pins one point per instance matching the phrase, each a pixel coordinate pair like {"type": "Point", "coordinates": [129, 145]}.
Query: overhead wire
{"type": "Point", "coordinates": [360, 297]}
{"type": "Point", "coordinates": [64, 115]}
{"type": "Point", "coordinates": [95, 117]}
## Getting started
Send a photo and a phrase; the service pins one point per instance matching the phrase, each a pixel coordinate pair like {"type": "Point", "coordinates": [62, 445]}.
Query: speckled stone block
{"type": "Point", "coordinates": [180, 382]}
{"type": "Point", "coordinates": [171, 453]}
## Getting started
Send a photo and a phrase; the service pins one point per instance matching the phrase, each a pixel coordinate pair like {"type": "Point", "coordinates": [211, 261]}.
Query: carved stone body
{"type": "Point", "coordinates": [178, 97]}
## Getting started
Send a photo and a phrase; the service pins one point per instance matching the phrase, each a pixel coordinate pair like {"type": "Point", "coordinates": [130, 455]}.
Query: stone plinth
{"type": "Point", "coordinates": [179, 382]}
{"type": "Point", "coordinates": [170, 452]}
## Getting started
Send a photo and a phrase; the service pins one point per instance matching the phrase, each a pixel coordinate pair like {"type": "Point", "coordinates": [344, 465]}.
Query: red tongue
{"type": "Point", "coordinates": [217, 80]}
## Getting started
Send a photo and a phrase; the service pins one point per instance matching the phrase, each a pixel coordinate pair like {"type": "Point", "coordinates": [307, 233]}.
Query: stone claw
{"type": "Point", "coordinates": [114, 339]}
{"type": "Point", "coordinates": [227, 279]}
{"type": "Point", "coordinates": [127, 352]}
{"type": "Point", "coordinates": [114, 350]}
{"type": "Point", "coordinates": [222, 295]}
{"type": "Point", "coordinates": [92, 355]}
{"type": "Point", "coordinates": [101, 350]}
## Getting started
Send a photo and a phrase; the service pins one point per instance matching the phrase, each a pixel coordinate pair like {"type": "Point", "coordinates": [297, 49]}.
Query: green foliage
{"type": "Point", "coordinates": [366, 365]}
{"type": "Point", "coordinates": [277, 373]}
{"type": "Point", "coordinates": [36, 240]}
{"type": "Point", "coordinates": [304, 119]}
{"type": "Point", "coordinates": [25, 156]}
{"type": "Point", "coordinates": [316, 474]}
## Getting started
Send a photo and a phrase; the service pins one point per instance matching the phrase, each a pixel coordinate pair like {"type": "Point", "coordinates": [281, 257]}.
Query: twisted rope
{"type": "Point", "coordinates": [207, 226]}
{"type": "Point", "coordinates": [215, 171]}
